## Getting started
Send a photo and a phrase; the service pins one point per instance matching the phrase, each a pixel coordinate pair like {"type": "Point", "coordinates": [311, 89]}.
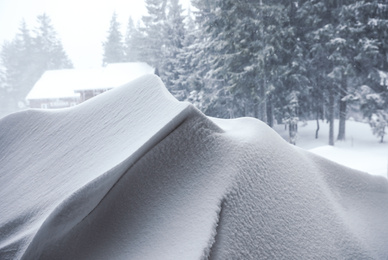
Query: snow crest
{"type": "Point", "coordinates": [135, 174]}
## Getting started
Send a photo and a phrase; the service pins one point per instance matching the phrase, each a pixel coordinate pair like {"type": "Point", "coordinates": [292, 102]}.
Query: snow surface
{"type": "Point", "coordinates": [361, 150]}
{"type": "Point", "coordinates": [135, 174]}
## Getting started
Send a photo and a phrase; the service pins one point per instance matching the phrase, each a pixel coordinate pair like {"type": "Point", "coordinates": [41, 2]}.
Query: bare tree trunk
{"type": "Point", "coordinates": [342, 109]}
{"type": "Point", "coordinates": [331, 116]}
{"type": "Point", "coordinates": [247, 105]}
{"type": "Point", "coordinates": [292, 132]}
{"type": "Point", "coordinates": [256, 108]}
{"type": "Point", "coordinates": [262, 104]}
{"type": "Point", "coordinates": [316, 131]}
{"type": "Point", "coordinates": [270, 116]}
{"type": "Point", "coordinates": [263, 87]}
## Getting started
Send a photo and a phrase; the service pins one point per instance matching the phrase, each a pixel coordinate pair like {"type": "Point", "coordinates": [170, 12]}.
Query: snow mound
{"type": "Point", "coordinates": [135, 174]}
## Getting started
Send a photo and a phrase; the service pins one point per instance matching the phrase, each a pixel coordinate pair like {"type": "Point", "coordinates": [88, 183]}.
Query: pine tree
{"type": "Point", "coordinates": [48, 47]}
{"type": "Point", "coordinates": [28, 56]}
{"type": "Point", "coordinates": [185, 68]}
{"type": "Point", "coordinates": [372, 62]}
{"type": "Point", "coordinates": [245, 52]}
{"type": "Point", "coordinates": [153, 31]}
{"type": "Point", "coordinates": [318, 21]}
{"type": "Point", "coordinates": [290, 88]}
{"type": "Point", "coordinates": [113, 46]}
{"type": "Point", "coordinates": [174, 32]}
{"type": "Point", "coordinates": [16, 58]}
{"type": "Point", "coordinates": [133, 42]}
{"type": "Point", "coordinates": [343, 49]}
{"type": "Point", "coordinates": [215, 99]}
{"type": "Point", "coordinates": [208, 94]}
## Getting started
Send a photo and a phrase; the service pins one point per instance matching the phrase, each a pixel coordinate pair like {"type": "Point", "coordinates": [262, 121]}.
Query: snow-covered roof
{"type": "Point", "coordinates": [135, 174]}
{"type": "Point", "coordinates": [65, 83]}
{"type": "Point", "coordinates": [56, 84]}
{"type": "Point", "coordinates": [117, 74]}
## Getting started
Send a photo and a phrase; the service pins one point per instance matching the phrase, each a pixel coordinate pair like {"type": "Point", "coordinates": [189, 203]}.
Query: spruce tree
{"type": "Point", "coordinates": [343, 50]}
{"type": "Point", "coordinates": [153, 32]}
{"type": "Point", "coordinates": [28, 56]}
{"type": "Point", "coordinates": [215, 99]}
{"type": "Point", "coordinates": [133, 42]}
{"type": "Point", "coordinates": [371, 61]}
{"type": "Point", "coordinates": [290, 85]}
{"type": "Point", "coordinates": [185, 56]}
{"type": "Point", "coordinates": [174, 34]}
{"type": "Point", "coordinates": [16, 58]}
{"type": "Point", "coordinates": [191, 74]}
{"type": "Point", "coordinates": [48, 47]}
{"type": "Point", "coordinates": [317, 20]}
{"type": "Point", "coordinates": [113, 48]}
{"type": "Point", "coordinates": [244, 52]}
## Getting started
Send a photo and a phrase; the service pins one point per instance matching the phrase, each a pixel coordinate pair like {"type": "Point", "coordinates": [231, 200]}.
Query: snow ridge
{"type": "Point", "coordinates": [135, 174]}
{"type": "Point", "coordinates": [95, 124]}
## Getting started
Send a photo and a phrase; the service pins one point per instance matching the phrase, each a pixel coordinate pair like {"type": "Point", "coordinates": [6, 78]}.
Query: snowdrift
{"type": "Point", "coordinates": [135, 174]}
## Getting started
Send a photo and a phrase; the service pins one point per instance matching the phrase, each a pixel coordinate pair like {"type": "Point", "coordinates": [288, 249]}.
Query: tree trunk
{"type": "Point", "coordinates": [292, 132]}
{"type": "Point", "coordinates": [263, 87]}
{"type": "Point", "coordinates": [247, 106]}
{"type": "Point", "coordinates": [270, 116]}
{"type": "Point", "coordinates": [262, 104]}
{"type": "Point", "coordinates": [342, 108]}
{"type": "Point", "coordinates": [256, 108]}
{"type": "Point", "coordinates": [331, 115]}
{"type": "Point", "coordinates": [316, 132]}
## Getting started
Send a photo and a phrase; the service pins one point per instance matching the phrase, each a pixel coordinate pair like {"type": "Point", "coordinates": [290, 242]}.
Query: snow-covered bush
{"type": "Point", "coordinates": [378, 122]}
{"type": "Point", "coordinates": [291, 117]}
{"type": "Point", "coordinates": [373, 106]}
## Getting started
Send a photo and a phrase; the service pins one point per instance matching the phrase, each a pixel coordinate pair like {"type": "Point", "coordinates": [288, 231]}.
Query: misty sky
{"type": "Point", "coordinates": [81, 25]}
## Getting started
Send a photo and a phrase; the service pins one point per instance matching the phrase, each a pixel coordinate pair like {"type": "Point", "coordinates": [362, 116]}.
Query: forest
{"type": "Point", "coordinates": [278, 61]}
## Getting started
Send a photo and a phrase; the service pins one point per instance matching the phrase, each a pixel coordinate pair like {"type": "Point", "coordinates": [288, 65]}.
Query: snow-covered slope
{"type": "Point", "coordinates": [361, 150]}
{"type": "Point", "coordinates": [135, 174]}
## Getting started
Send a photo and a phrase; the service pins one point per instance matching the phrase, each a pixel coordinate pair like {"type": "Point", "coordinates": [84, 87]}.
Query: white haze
{"type": "Point", "coordinates": [81, 25]}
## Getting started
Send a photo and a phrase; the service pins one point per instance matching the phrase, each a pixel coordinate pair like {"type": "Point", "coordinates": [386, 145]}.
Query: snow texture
{"type": "Point", "coordinates": [361, 150]}
{"type": "Point", "coordinates": [135, 174]}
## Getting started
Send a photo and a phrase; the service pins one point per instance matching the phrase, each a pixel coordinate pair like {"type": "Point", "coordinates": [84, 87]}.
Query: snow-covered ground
{"type": "Point", "coordinates": [361, 150]}
{"type": "Point", "coordinates": [135, 174]}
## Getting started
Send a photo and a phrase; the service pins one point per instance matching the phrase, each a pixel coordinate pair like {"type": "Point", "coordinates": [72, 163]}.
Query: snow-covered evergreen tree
{"type": "Point", "coordinates": [186, 68]}
{"type": "Point", "coordinates": [113, 46]}
{"type": "Point", "coordinates": [215, 99]}
{"type": "Point", "coordinates": [374, 108]}
{"type": "Point", "coordinates": [378, 123]}
{"type": "Point", "coordinates": [133, 42]}
{"type": "Point", "coordinates": [28, 56]}
{"type": "Point", "coordinates": [153, 31]}
{"type": "Point", "coordinates": [317, 20]}
{"type": "Point", "coordinates": [48, 47]}
{"type": "Point", "coordinates": [372, 61]}
{"type": "Point", "coordinates": [243, 43]}
{"type": "Point", "coordinates": [291, 116]}
{"type": "Point", "coordinates": [174, 35]}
